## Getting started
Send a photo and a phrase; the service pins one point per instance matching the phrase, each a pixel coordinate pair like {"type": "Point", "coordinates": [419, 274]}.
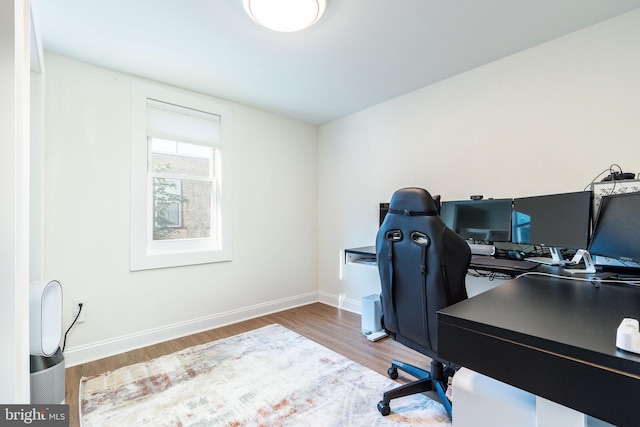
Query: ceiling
{"type": "Point", "coordinates": [361, 53]}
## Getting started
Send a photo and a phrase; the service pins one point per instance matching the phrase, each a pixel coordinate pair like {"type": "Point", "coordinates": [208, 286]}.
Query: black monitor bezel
{"type": "Point", "coordinates": [598, 229]}
{"type": "Point", "coordinates": [564, 242]}
{"type": "Point", "coordinates": [508, 202]}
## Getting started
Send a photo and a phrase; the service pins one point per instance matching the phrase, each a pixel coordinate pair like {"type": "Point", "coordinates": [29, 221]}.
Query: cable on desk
{"type": "Point", "coordinates": [491, 275]}
{"type": "Point", "coordinates": [596, 281]}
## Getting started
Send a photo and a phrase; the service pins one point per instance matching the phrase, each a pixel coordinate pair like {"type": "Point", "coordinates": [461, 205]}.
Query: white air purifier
{"type": "Point", "coordinates": [45, 332]}
{"type": "Point", "coordinates": [371, 314]}
{"type": "Point", "coordinates": [371, 318]}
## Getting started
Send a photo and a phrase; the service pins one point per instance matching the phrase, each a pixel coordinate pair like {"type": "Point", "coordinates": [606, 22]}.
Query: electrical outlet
{"type": "Point", "coordinates": [76, 309]}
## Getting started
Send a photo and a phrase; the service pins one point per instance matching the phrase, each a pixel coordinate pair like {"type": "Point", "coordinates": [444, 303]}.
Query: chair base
{"type": "Point", "coordinates": [436, 380]}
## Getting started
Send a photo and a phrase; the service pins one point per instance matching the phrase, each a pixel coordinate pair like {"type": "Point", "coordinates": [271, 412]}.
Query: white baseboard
{"type": "Point", "coordinates": [341, 302]}
{"type": "Point", "coordinates": [94, 351]}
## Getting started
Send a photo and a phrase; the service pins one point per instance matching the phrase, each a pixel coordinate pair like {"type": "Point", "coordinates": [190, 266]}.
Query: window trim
{"type": "Point", "coordinates": [179, 253]}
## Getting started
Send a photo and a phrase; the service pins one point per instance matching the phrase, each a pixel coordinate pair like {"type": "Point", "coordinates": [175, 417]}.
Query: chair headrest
{"type": "Point", "coordinates": [413, 201]}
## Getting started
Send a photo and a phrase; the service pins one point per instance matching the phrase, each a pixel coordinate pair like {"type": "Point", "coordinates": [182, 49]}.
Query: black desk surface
{"type": "Point", "coordinates": [509, 267]}
{"type": "Point", "coordinates": [553, 337]}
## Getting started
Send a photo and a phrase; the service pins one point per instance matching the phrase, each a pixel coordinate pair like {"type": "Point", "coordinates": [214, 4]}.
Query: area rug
{"type": "Point", "coordinates": [267, 377]}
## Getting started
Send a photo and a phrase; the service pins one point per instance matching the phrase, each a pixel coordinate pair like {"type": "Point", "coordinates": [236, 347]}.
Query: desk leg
{"type": "Point", "coordinates": [551, 414]}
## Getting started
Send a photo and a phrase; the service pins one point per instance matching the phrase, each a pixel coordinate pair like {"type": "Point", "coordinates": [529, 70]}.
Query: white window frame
{"type": "Point", "coordinates": [146, 254]}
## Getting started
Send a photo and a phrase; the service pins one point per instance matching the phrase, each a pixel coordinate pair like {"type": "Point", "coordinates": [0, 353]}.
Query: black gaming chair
{"type": "Point", "coordinates": [422, 266]}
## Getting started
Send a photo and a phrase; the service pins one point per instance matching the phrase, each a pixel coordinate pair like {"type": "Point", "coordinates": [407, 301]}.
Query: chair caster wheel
{"type": "Point", "coordinates": [384, 408]}
{"type": "Point", "coordinates": [393, 373]}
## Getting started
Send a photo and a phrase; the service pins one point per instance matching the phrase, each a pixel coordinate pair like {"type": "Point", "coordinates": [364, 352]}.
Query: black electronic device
{"type": "Point", "coordinates": [616, 232]}
{"type": "Point", "coordinates": [516, 255]}
{"type": "Point", "coordinates": [554, 221]}
{"type": "Point", "coordinates": [384, 209]}
{"type": "Point", "coordinates": [618, 176]}
{"type": "Point", "coordinates": [487, 220]}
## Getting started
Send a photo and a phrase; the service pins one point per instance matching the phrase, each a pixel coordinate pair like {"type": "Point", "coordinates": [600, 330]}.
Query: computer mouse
{"type": "Point", "coordinates": [517, 255]}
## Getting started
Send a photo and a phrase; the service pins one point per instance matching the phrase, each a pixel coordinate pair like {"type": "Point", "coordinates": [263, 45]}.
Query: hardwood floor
{"type": "Point", "coordinates": [336, 329]}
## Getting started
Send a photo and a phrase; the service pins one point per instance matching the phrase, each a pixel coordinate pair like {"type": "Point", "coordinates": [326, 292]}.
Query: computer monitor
{"type": "Point", "coordinates": [616, 232]}
{"type": "Point", "coordinates": [479, 220]}
{"type": "Point", "coordinates": [554, 221]}
{"type": "Point", "coordinates": [384, 210]}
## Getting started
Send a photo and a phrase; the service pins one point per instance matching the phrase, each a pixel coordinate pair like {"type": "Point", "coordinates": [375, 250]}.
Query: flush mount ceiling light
{"type": "Point", "coordinates": [285, 15]}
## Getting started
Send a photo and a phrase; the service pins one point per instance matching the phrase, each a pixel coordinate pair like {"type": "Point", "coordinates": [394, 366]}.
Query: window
{"type": "Point", "coordinates": [180, 169]}
{"type": "Point", "coordinates": [167, 207]}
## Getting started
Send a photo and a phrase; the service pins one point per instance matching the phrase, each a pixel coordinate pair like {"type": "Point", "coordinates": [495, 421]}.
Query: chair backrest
{"type": "Point", "coordinates": [422, 266]}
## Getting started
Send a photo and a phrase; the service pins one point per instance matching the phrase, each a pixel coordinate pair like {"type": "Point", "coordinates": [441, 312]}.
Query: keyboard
{"type": "Point", "coordinates": [479, 261]}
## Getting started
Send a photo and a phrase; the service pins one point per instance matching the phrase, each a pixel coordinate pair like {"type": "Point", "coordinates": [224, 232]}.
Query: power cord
{"type": "Point", "coordinates": [595, 281]}
{"type": "Point", "coordinates": [614, 175]}
{"type": "Point", "coordinates": [64, 344]}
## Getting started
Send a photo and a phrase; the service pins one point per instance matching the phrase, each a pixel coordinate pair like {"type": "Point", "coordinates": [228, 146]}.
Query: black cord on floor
{"type": "Point", "coordinates": [64, 344]}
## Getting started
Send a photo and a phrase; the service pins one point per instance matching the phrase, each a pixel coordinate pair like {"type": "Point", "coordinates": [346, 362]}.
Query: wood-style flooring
{"type": "Point", "coordinates": [336, 329]}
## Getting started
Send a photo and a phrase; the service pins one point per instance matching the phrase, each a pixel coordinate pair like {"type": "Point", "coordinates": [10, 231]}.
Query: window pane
{"type": "Point", "coordinates": [180, 158]}
{"type": "Point", "coordinates": [181, 209]}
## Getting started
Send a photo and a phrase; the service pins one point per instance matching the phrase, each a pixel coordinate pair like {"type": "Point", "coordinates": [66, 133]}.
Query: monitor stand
{"type": "Point", "coordinates": [556, 258]}
{"type": "Point", "coordinates": [589, 267]}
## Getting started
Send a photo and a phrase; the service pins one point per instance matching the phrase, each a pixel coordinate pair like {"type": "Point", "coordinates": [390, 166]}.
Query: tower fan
{"type": "Point", "coordinates": [45, 332]}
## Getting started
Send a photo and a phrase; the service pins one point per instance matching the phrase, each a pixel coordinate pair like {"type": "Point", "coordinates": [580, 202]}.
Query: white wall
{"type": "Point", "coordinates": [14, 193]}
{"type": "Point", "coordinates": [546, 120]}
{"type": "Point", "coordinates": [87, 220]}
